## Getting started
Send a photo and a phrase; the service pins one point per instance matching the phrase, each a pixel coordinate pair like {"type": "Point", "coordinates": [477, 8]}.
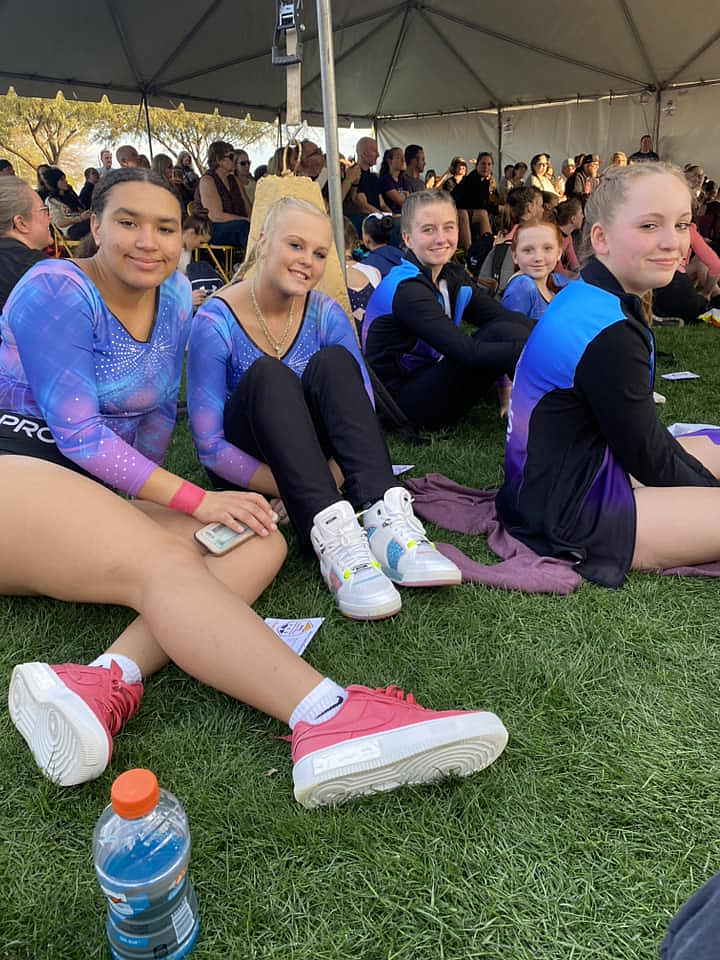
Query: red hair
{"type": "Point", "coordinates": [552, 226]}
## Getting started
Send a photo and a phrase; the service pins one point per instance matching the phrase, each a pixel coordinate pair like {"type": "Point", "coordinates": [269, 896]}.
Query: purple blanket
{"type": "Point", "coordinates": [465, 510]}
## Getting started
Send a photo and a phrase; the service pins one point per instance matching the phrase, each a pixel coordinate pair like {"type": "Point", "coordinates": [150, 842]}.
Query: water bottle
{"type": "Point", "coordinates": [141, 848]}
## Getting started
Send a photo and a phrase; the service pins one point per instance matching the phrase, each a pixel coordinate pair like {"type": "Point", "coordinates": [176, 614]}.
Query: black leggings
{"type": "Point", "coordinates": [445, 392]}
{"type": "Point", "coordinates": [295, 424]}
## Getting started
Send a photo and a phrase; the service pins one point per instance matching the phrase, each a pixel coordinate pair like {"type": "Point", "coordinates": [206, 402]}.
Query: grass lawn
{"type": "Point", "coordinates": [579, 842]}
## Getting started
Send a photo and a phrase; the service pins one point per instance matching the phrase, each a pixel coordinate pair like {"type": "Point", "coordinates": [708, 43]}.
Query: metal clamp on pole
{"type": "Point", "coordinates": [288, 22]}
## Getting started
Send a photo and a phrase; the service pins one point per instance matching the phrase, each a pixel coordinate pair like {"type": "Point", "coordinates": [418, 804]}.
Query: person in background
{"type": "Point", "coordinates": [361, 278]}
{"type": "Point", "coordinates": [106, 162]}
{"type": "Point", "coordinates": [431, 179]}
{"type": "Point", "coordinates": [24, 232]}
{"type": "Point", "coordinates": [506, 182]}
{"type": "Point", "coordinates": [538, 174]}
{"type": "Point", "coordinates": [6, 168]}
{"type": "Point", "coordinates": [66, 211]}
{"type": "Point", "coordinates": [243, 175]}
{"type": "Point", "coordinates": [394, 184]}
{"type": "Point", "coordinates": [566, 170]}
{"type": "Point", "coordinates": [414, 166]}
{"type": "Point", "coordinates": [519, 174]}
{"type": "Point", "coordinates": [259, 172]}
{"type": "Point", "coordinates": [91, 178]}
{"type": "Point", "coordinates": [127, 156]}
{"type": "Point", "coordinates": [204, 278]}
{"type": "Point", "coordinates": [223, 197]}
{"type": "Point", "coordinates": [42, 188]}
{"type": "Point", "coordinates": [618, 159]}
{"type": "Point", "coordinates": [569, 217]}
{"type": "Point", "coordinates": [645, 153]}
{"type": "Point", "coordinates": [455, 173]}
{"type": "Point", "coordinates": [185, 177]}
{"type": "Point", "coordinates": [377, 234]}
{"type": "Point", "coordinates": [367, 198]}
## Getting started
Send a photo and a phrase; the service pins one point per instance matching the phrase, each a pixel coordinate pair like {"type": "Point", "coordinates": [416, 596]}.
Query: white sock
{"type": "Point", "coordinates": [130, 670]}
{"type": "Point", "coordinates": [322, 703]}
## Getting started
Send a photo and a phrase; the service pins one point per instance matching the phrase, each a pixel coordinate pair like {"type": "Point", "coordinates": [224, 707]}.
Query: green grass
{"type": "Point", "coordinates": [580, 842]}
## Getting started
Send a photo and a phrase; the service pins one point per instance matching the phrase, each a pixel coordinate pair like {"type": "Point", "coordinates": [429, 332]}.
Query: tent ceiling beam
{"type": "Point", "coordinates": [308, 37]}
{"type": "Point", "coordinates": [119, 29]}
{"type": "Point", "coordinates": [639, 41]}
{"type": "Point", "coordinates": [459, 57]}
{"type": "Point", "coordinates": [393, 59]}
{"type": "Point", "coordinates": [185, 40]}
{"type": "Point", "coordinates": [350, 50]}
{"type": "Point", "coordinates": [553, 54]}
{"type": "Point", "coordinates": [693, 57]}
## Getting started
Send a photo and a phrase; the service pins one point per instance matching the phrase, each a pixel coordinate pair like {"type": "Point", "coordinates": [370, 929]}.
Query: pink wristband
{"type": "Point", "coordinates": [187, 498]}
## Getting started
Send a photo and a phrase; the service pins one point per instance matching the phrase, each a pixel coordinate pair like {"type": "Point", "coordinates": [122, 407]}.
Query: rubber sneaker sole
{"type": "Point", "coordinates": [415, 754]}
{"type": "Point", "coordinates": [67, 741]}
{"type": "Point", "coordinates": [428, 580]}
{"type": "Point", "coordinates": [379, 611]}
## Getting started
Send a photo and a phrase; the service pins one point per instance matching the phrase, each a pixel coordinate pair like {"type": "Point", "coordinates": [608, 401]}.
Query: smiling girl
{"type": "Point", "coordinates": [590, 472]}
{"type": "Point", "coordinates": [280, 402]}
{"type": "Point", "coordinates": [536, 247]}
{"type": "Point", "coordinates": [412, 338]}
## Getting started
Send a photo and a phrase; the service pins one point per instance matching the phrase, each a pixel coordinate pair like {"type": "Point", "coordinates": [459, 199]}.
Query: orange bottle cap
{"type": "Point", "coordinates": [134, 793]}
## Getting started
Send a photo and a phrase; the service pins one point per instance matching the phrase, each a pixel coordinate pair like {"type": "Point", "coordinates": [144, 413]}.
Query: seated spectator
{"type": "Point", "coordinates": [581, 183]}
{"type": "Point", "coordinates": [550, 202]}
{"type": "Point", "coordinates": [414, 166]}
{"type": "Point", "coordinates": [66, 212]}
{"type": "Point", "coordinates": [143, 162]}
{"type": "Point", "coordinates": [127, 156]}
{"type": "Point", "coordinates": [394, 185]}
{"type": "Point", "coordinates": [569, 217]}
{"type": "Point", "coordinates": [477, 193]}
{"type": "Point", "coordinates": [618, 159]}
{"type": "Point", "coordinates": [185, 177]}
{"type": "Point", "coordinates": [226, 202]}
{"type": "Point", "coordinates": [506, 183]}
{"type": "Point", "coordinates": [360, 278]}
{"type": "Point", "coordinates": [538, 174]}
{"type": "Point", "coordinates": [283, 161]}
{"type": "Point", "coordinates": [535, 249]}
{"type": "Point", "coordinates": [431, 179]}
{"type": "Point", "coordinates": [24, 232]}
{"type": "Point", "coordinates": [280, 402]}
{"type": "Point", "coordinates": [566, 170]}
{"type": "Point", "coordinates": [42, 188]}
{"type": "Point", "coordinates": [523, 203]}
{"type": "Point", "coordinates": [591, 473]}
{"type": "Point", "coordinates": [243, 176]}
{"type": "Point", "coordinates": [259, 172]}
{"type": "Point", "coordinates": [695, 176]}
{"type": "Point", "coordinates": [645, 152]}
{"type": "Point", "coordinates": [6, 168]}
{"type": "Point", "coordinates": [311, 162]}
{"type": "Point", "coordinates": [91, 178]}
{"type": "Point", "coordinates": [204, 278]}
{"type": "Point", "coordinates": [106, 162]}
{"type": "Point", "coordinates": [455, 173]}
{"type": "Point", "coordinates": [367, 197]}
{"type": "Point", "coordinates": [378, 230]}
{"type": "Point", "coordinates": [519, 174]}
{"type": "Point", "coordinates": [412, 338]}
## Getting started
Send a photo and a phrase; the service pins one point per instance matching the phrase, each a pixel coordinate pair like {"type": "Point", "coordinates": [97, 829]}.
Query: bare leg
{"type": "Point", "coordinates": [196, 620]}
{"type": "Point", "coordinates": [704, 450]}
{"type": "Point", "coordinates": [464, 235]}
{"type": "Point", "coordinates": [481, 219]}
{"type": "Point", "coordinates": [247, 571]}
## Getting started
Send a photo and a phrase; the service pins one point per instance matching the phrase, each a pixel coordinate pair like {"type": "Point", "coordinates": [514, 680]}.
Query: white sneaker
{"type": "Point", "coordinates": [361, 589]}
{"type": "Point", "coordinates": [398, 540]}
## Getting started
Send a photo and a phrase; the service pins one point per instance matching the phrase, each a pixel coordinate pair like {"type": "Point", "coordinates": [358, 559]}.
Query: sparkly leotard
{"type": "Point", "coordinates": [220, 352]}
{"type": "Point", "coordinates": [108, 399]}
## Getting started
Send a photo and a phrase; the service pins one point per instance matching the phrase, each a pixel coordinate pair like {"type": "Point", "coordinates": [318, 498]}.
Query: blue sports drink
{"type": "Point", "coordinates": [141, 848]}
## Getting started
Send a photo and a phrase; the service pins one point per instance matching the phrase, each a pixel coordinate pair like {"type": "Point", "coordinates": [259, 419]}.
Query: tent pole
{"type": "Point", "coordinates": [147, 123]}
{"type": "Point", "coordinates": [500, 141]}
{"type": "Point", "coordinates": [327, 73]}
{"type": "Point", "coordinates": [658, 113]}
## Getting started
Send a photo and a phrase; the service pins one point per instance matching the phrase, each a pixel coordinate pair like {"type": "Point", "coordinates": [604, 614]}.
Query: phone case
{"type": "Point", "coordinates": [219, 539]}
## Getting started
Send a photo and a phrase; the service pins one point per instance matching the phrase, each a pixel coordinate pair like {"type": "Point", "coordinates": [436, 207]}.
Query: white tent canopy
{"type": "Point", "coordinates": [407, 59]}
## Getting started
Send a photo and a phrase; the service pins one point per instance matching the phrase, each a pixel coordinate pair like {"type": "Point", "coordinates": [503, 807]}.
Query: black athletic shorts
{"type": "Point", "coordinates": [31, 437]}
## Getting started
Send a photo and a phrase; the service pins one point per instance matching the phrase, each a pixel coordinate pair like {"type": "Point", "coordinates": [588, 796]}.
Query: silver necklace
{"type": "Point", "coordinates": [277, 344]}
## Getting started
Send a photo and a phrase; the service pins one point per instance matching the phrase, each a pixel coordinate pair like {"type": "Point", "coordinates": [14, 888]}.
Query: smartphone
{"type": "Point", "coordinates": [219, 539]}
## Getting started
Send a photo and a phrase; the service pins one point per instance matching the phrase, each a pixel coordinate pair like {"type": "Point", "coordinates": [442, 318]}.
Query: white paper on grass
{"type": "Point", "coordinates": [398, 468]}
{"type": "Point", "coordinates": [295, 634]}
{"type": "Point", "coordinates": [681, 375]}
{"type": "Point", "coordinates": [681, 429]}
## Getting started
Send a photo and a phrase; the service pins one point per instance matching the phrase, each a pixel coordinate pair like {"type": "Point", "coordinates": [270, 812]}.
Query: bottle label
{"type": "Point", "coordinates": [166, 929]}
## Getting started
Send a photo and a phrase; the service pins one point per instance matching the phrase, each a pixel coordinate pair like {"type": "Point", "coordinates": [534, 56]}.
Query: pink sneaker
{"type": "Point", "coordinates": [69, 714]}
{"type": "Point", "coordinates": [382, 739]}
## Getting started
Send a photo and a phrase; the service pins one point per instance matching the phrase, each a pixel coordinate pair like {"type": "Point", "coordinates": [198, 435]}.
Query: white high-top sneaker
{"type": "Point", "coordinates": [361, 589]}
{"type": "Point", "coordinates": [398, 540]}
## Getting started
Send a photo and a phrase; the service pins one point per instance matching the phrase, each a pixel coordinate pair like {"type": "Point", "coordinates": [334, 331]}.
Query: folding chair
{"type": "Point", "coordinates": [214, 250]}
{"type": "Point", "coordinates": [63, 246]}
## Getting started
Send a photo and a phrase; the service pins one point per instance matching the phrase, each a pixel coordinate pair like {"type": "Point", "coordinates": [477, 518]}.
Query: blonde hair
{"type": "Point", "coordinates": [612, 192]}
{"type": "Point", "coordinates": [269, 225]}
{"type": "Point", "coordinates": [422, 198]}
